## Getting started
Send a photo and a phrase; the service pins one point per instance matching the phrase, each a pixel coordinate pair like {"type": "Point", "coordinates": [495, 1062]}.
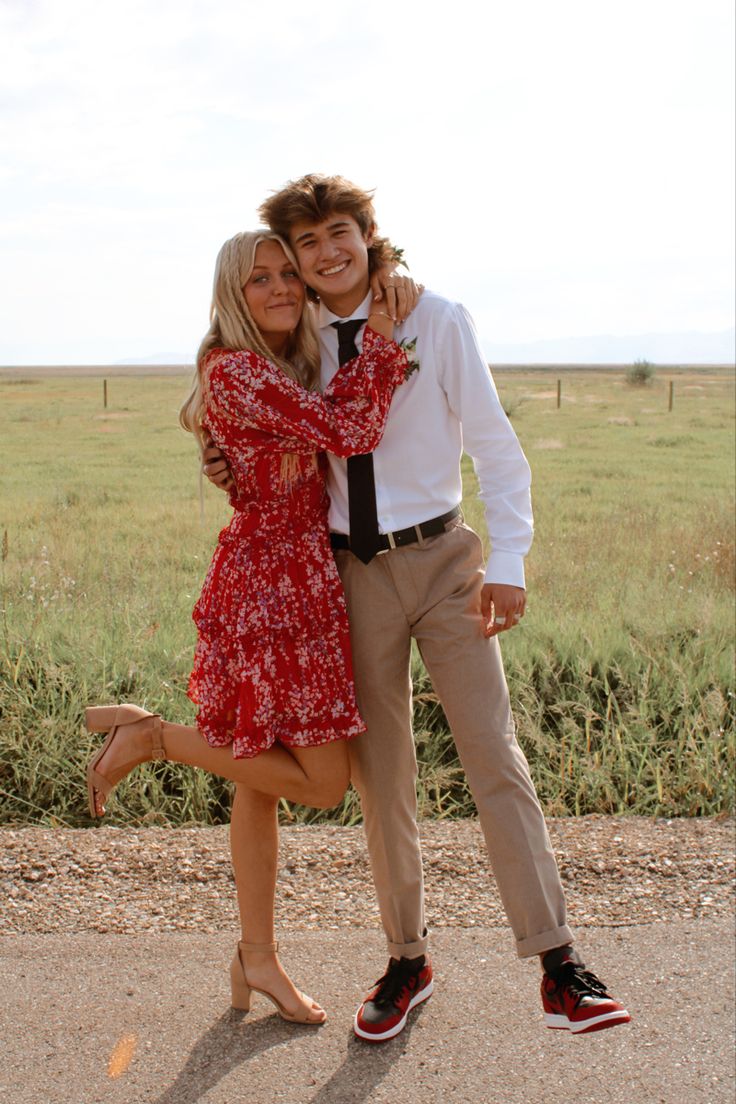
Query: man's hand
{"type": "Point", "coordinates": [215, 466]}
{"type": "Point", "coordinates": [502, 607]}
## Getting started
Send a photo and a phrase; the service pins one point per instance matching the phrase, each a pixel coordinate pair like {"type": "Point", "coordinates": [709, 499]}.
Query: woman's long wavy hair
{"type": "Point", "coordinates": [232, 326]}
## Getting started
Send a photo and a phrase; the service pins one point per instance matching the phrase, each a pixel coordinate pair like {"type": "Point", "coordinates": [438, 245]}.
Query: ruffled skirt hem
{"type": "Point", "coordinates": [250, 745]}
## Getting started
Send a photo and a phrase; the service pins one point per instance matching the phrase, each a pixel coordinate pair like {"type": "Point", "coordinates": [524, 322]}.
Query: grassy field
{"type": "Point", "coordinates": [621, 675]}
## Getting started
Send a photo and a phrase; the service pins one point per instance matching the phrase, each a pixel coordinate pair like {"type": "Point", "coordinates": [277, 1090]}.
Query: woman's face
{"type": "Point", "coordinates": [275, 295]}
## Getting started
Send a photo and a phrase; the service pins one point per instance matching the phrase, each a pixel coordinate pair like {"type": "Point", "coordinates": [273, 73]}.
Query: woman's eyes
{"type": "Point", "coordinates": [290, 274]}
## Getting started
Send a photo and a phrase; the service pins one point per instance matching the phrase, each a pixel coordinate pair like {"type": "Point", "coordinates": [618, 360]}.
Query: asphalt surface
{"type": "Point", "coordinates": [123, 1019]}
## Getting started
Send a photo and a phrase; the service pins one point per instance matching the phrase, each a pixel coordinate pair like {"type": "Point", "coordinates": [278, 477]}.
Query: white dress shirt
{"type": "Point", "coordinates": [447, 406]}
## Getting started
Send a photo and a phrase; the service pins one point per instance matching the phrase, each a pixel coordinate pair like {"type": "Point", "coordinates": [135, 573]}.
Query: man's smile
{"type": "Point", "coordinates": [334, 269]}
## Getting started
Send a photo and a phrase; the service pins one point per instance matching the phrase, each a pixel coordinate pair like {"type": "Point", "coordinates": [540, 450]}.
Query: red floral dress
{"type": "Point", "coordinates": [272, 660]}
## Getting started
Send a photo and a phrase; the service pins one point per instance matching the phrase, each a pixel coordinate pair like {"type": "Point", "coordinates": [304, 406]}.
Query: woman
{"type": "Point", "coordinates": [272, 673]}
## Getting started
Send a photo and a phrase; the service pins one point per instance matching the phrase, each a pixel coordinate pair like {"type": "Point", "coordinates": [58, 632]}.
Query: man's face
{"type": "Point", "coordinates": [333, 259]}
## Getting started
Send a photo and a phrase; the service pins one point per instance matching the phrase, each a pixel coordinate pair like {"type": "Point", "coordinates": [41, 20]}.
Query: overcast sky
{"type": "Point", "coordinates": [562, 168]}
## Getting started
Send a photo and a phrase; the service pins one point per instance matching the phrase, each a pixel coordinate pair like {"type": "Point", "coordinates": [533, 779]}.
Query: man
{"type": "Point", "coordinates": [412, 569]}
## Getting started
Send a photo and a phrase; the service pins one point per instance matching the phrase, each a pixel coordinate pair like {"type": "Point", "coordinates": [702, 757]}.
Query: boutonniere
{"type": "Point", "coordinates": [409, 345]}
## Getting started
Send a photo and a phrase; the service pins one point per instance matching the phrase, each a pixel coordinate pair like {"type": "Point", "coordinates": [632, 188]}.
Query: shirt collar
{"type": "Point", "coordinates": [326, 317]}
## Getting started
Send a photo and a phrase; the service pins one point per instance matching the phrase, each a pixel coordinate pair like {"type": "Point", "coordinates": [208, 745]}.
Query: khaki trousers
{"type": "Point", "coordinates": [431, 592]}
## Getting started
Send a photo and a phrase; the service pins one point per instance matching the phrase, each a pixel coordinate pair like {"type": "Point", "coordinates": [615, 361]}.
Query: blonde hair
{"type": "Point", "coordinates": [232, 326]}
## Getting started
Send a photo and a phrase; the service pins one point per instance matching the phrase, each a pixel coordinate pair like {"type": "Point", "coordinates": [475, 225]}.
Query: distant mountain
{"type": "Point", "coordinates": [659, 348]}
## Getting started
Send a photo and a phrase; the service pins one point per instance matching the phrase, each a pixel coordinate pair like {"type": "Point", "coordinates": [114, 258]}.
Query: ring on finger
{"type": "Point", "coordinates": [499, 620]}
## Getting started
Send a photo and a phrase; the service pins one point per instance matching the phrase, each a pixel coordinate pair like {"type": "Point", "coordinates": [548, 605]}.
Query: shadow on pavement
{"type": "Point", "coordinates": [230, 1042]}
{"type": "Point", "coordinates": [226, 1045]}
{"type": "Point", "coordinates": [365, 1066]}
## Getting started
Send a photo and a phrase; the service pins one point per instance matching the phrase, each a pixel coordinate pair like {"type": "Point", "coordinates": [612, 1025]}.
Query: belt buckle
{"type": "Point", "coordinates": [391, 544]}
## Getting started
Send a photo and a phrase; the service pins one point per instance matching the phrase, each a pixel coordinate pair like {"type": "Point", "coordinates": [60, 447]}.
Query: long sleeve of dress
{"type": "Point", "coordinates": [349, 418]}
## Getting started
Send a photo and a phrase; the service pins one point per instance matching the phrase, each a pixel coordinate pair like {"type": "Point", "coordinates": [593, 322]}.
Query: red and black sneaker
{"type": "Point", "coordinates": [574, 999]}
{"type": "Point", "coordinates": [406, 983]}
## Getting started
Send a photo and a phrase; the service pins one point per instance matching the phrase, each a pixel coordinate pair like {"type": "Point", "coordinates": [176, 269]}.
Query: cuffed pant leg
{"type": "Point", "coordinates": [383, 759]}
{"type": "Point", "coordinates": [467, 673]}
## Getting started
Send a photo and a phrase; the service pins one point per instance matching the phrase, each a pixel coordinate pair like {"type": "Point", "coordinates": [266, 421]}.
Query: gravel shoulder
{"type": "Point", "coordinates": [617, 871]}
{"type": "Point", "coordinates": [114, 945]}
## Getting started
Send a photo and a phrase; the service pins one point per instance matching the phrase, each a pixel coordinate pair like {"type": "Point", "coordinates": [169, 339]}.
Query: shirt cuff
{"type": "Point", "coordinates": [505, 567]}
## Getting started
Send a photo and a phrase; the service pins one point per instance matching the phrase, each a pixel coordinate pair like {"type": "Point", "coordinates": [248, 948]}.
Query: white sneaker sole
{"type": "Point", "coordinates": [372, 1037]}
{"type": "Point", "coordinates": [560, 1022]}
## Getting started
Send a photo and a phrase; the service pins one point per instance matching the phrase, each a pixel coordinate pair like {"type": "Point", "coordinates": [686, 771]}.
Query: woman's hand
{"type": "Point", "coordinates": [399, 293]}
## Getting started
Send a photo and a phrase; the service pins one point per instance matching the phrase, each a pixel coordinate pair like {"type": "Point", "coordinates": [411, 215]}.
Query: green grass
{"type": "Point", "coordinates": [621, 674]}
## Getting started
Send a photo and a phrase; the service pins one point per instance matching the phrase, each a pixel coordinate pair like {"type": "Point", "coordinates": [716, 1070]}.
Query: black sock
{"type": "Point", "coordinates": [414, 964]}
{"type": "Point", "coordinates": [552, 960]}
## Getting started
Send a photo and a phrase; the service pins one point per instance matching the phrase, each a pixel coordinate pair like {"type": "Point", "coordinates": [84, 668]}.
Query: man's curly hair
{"type": "Point", "coordinates": [313, 198]}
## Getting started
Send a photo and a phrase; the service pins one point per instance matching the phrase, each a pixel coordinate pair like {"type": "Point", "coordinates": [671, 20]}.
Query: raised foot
{"type": "Point", "coordinates": [575, 1000]}
{"type": "Point", "coordinates": [134, 736]}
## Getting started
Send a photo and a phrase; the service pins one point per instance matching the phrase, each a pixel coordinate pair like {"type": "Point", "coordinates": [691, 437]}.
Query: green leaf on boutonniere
{"type": "Point", "coordinates": [409, 346]}
{"type": "Point", "coordinates": [398, 257]}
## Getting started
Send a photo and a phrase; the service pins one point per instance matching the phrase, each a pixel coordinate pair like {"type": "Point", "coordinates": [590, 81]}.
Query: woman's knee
{"type": "Point", "coordinates": [330, 794]}
{"type": "Point", "coordinates": [329, 776]}
{"type": "Point", "coordinates": [330, 788]}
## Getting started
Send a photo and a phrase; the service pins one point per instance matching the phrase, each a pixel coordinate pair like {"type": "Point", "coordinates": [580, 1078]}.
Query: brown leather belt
{"type": "Point", "coordinates": [402, 537]}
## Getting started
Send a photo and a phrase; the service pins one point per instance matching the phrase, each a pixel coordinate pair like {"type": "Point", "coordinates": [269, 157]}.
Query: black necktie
{"type": "Point", "coordinates": [362, 509]}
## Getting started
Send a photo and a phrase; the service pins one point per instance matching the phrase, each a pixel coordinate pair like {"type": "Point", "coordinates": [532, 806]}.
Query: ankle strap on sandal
{"type": "Point", "coordinates": [258, 946]}
{"type": "Point", "coordinates": [158, 751]}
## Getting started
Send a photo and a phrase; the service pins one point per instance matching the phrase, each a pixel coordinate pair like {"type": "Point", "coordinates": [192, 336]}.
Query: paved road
{"type": "Point", "coordinates": [158, 1006]}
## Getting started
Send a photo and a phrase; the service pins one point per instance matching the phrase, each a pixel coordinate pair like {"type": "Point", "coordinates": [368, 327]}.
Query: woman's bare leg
{"type": "Point", "coordinates": [254, 847]}
{"type": "Point", "coordinates": [254, 843]}
{"type": "Point", "coordinates": [310, 776]}
{"type": "Point", "coordinates": [315, 776]}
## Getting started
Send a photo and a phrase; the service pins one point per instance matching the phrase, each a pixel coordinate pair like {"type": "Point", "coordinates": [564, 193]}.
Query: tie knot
{"type": "Point", "coordinates": [346, 334]}
{"type": "Point", "coordinates": [350, 328]}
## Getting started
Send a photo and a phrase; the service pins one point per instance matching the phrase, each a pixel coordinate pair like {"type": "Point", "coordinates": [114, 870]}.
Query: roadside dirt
{"type": "Point", "coordinates": [617, 871]}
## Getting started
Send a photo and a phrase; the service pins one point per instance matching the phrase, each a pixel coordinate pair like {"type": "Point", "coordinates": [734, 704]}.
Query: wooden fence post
{"type": "Point", "coordinates": [672, 396]}
{"type": "Point", "coordinates": [559, 393]}
{"type": "Point", "coordinates": [104, 393]}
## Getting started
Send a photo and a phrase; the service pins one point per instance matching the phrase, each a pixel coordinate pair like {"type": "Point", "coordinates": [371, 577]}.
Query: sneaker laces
{"type": "Point", "coordinates": [580, 982]}
{"type": "Point", "coordinates": [392, 983]}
